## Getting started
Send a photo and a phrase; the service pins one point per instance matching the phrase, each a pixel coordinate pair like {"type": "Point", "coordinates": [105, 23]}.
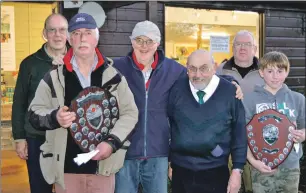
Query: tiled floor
{"type": "Point", "coordinates": [14, 177]}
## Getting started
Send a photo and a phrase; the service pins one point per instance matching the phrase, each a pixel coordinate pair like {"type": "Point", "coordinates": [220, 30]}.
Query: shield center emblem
{"type": "Point", "coordinates": [270, 134]}
{"type": "Point", "coordinates": [94, 116]}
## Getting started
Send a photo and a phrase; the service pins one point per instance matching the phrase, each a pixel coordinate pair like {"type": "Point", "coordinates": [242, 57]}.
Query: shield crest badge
{"type": "Point", "coordinates": [96, 114]}
{"type": "Point", "coordinates": [269, 137]}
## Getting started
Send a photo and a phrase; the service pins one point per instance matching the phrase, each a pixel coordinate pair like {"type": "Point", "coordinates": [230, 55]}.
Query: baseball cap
{"type": "Point", "coordinates": [148, 29]}
{"type": "Point", "coordinates": [81, 20]}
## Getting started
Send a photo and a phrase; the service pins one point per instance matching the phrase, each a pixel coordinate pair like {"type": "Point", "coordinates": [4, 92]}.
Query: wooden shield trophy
{"type": "Point", "coordinates": [96, 114]}
{"type": "Point", "coordinates": [269, 137]}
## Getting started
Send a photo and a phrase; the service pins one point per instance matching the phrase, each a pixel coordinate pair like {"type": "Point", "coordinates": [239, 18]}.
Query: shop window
{"type": "Point", "coordinates": [188, 29]}
{"type": "Point", "coordinates": [21, 35]}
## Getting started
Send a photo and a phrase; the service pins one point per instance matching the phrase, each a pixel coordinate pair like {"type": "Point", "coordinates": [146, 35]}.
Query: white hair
{"type": "Point", "coordinates": [242, 33]}
{"type": "Point", "coordinates": [96, 32]}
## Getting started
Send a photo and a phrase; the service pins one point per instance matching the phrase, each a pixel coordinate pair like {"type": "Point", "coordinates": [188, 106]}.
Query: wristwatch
{"type": "Point", "coordinates": [239, 170]}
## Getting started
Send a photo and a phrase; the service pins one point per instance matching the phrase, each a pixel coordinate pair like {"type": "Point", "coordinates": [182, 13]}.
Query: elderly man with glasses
{"type": "Point", "coordinates": [32, 69]}
{"type": "Point", "coordinates": [150, 76]}
{"type": "Point", "coordinates": [207, 125]}
{"type": "Point", "coordinates": [243, 66]}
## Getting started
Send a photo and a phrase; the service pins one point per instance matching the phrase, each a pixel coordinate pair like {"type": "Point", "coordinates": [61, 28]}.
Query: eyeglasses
{"type": "Point", "coordinates": [141, 42]}
{"type": "Point", "coordinates": [239, 45]}
{"type": "Point", "coordinates": [52, 31]}
{"type": "Point", "coordinates": [202, 70]}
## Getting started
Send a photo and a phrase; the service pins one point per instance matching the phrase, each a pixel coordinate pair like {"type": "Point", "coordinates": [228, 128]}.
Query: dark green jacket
{"type": "Point", "coordinates": [32, 70]}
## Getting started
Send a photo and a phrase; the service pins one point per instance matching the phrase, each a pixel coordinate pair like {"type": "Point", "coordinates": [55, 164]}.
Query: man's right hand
{"type": "Point", "coordinates": [64, 117]}
{"type": "Point", "coordinates": [260, 166]}
{"type": "Point", "coordinates": [21, 148]}
{"type": "Point", "coordinates": [169, 171]}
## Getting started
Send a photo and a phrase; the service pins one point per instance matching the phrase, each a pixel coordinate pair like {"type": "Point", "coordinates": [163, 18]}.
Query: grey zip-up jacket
{"type": "Point", "coordinates": [49, 97]}
{"type": "Point", "coordinates": [246, 83]}
{"type": "Point", "coordinates": [286, 101]}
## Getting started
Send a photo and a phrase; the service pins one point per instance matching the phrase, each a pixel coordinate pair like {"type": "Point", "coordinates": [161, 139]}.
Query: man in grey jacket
{"type": "Point", "coordinates": [243, 66]}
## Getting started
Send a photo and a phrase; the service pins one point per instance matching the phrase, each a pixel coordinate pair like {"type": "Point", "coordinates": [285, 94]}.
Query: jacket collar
{"type": "Point", "coordinates": [42, 55]}
{"type": "Point", "coordinates": [68, 56]}
{"type": "Point", "coordinates": [230, 63]}
{"type": "Point", "coordinates": [141, 66]}
{"type": "Point", "coordinates": [160, 57]}
{"type": "Point", "coordinates": [62, 70]}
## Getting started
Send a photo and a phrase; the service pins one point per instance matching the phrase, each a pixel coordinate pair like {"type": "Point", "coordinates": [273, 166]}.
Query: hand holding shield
{"type": "Point", "coordinates": [262, 167]}
{"type": "Point", "coordinates": [105, 150]}
{"type": "Point", "coordinates": [64, 117]}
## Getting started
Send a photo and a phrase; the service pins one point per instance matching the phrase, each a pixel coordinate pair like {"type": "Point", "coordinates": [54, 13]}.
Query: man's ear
{"type": "Point", "coordinates": [255, 49]}
{"type": "Point", "coordinates": [44, 33]}
{"type": "Point", "coordinates": [215, 65]}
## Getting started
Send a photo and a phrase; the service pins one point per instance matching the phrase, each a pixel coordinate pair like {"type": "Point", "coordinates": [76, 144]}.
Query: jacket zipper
{"type": "Point", "coordinates": [145, 119]}
{"type": "Point", "coordinates": [146, 113]}
{"type": "Point", "coordinates": [146, 109]}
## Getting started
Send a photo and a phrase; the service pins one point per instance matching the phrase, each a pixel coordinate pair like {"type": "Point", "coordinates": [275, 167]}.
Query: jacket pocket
{"type": "Point", "coordinates": [115, 162]}
{"type": "Point", "coordinates": [47, 162]}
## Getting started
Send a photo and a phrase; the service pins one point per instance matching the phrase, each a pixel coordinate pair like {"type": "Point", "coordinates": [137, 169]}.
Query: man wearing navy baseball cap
{"type": "Point", "coordinates": [82, 20]}
{"type": "Point", "coordinates": [84, 67]}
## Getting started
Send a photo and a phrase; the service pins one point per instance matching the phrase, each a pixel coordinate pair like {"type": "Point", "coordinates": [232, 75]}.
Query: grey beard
{"type": "Point", "coordinates": [199, 86]}
{"type": "Point", "coordinates": [244, 64]}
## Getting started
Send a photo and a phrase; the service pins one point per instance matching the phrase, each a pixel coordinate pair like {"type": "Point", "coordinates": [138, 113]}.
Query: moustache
{"type": "Point", "coordinates": [197, 79]}
{"type": "Point", "coordinates": [83, 45]}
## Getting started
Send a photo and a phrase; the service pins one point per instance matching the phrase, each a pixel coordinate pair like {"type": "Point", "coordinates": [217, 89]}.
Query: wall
{"type": "Point", "coordinates": [114, 34]}
{"type": "Point", "coordinates": [284, 33]}
{"type": "Point", "coordinates": [114, 40]}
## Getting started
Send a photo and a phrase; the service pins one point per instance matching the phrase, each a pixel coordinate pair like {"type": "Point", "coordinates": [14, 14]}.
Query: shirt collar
{"type": "Point", "coordinates": [75, 65]}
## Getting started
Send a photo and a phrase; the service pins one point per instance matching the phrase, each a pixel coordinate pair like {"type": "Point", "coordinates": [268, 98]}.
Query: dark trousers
{"type": "Point", "coordinates": [37, 181]}
{"type": "Point", "coordinates": [206, 181]}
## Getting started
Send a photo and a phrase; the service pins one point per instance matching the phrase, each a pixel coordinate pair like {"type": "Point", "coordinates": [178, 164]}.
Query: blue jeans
{"type": "Point", "coordinates": [36, 179]}
{"type": "Point", "coordinates": [151, 173]}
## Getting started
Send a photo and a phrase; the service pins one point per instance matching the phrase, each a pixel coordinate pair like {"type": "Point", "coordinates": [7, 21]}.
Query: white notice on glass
{"type": "Point", "coordinates": [219, 44]}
